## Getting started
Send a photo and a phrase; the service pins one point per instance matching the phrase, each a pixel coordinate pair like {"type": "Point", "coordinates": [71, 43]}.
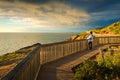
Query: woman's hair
{"type": "Point", "coordinates": [90, 32]}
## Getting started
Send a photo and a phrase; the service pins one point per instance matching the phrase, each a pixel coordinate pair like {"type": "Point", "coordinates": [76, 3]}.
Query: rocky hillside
{"type": "Point", "coordinates": [113, 29]}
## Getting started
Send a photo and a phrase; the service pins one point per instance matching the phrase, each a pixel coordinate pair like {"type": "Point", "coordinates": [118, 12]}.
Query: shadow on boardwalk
{"type": "Point", "coordinates": [61, 68]}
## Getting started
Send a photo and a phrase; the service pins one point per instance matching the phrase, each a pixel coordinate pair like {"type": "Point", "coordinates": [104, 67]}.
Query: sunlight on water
{"type": "Point", "coordinates": [10, 42]}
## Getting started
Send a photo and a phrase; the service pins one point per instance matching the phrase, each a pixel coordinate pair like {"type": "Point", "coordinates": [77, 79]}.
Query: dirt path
{"type": "Point", "coordinates": [101, 35]}
{"type": "Point", "coordinates": [61, 69]}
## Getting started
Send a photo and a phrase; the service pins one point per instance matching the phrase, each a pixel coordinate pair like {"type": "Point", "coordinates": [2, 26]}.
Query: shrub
{"type": "Point", "coordinates": [107, 68]}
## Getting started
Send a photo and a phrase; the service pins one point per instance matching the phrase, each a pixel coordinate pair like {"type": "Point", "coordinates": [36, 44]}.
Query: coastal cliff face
{"type": "Point", "coordinates": [82, 35]}
{"type": "Point", "coordinates": [113, 29]}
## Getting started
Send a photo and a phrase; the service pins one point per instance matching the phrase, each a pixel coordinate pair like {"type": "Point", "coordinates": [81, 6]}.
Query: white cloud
{"type": "Point", "coordinates": [12, 29]}
{"type": "Point", "coordinates": [50, 15]}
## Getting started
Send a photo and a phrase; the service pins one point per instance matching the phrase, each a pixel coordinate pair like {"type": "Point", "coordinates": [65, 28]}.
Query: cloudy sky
{"type": "Point", "coordinates": [57, 15]}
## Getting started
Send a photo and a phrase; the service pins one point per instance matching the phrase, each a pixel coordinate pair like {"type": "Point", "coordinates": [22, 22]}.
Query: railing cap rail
{"type": "Point", "coordinates": [22, 64]}
{"type": "Point", "coordinates": [63, 42]}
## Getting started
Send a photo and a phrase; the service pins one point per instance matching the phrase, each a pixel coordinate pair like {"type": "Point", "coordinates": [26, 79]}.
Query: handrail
{"type": "Point", "coordinates": [53, 51]}
{"type": "Point", "coordinates": [26, 69]}
{"type": "Point", "coordinates": [30, 66]}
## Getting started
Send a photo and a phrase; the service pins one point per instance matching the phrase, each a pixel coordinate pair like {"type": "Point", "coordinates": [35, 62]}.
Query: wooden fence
{"type": "Point", "coordinates": [51, 52]}
{"type": "Point", "coordinates": [26, 69]}
{"type": "Point", "coordinates": [29, 67]}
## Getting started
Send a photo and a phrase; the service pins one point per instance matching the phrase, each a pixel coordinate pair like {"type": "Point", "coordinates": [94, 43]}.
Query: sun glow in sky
{"type": "Point", "coordinates": [57, 15]}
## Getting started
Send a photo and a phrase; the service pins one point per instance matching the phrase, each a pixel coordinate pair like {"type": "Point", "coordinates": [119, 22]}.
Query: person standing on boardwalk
{"type": "Point", "coordinates": [90, 40]}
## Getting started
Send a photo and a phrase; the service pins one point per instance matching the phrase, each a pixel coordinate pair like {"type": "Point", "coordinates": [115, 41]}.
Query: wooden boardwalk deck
{"type": "Point", "coordinates": [61, 68]}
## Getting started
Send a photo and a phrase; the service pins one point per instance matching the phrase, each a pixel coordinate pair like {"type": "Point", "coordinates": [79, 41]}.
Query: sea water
{"type": "Point", "coordinates": [10, 42]}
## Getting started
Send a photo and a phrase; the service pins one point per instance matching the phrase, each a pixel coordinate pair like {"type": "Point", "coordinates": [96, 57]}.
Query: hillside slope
{"type": "Point", "coordinates": [113, 29]}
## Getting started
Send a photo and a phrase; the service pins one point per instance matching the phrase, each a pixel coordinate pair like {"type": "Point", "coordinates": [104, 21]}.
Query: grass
{"type": "Point", "coordinates": [21, 53]}
{"type": "Point", "coordinates": [10, 60]}
{"type": "Point", "coordinates": [113, 28]}
{"type": "Point", "coordinates": [11, 56]}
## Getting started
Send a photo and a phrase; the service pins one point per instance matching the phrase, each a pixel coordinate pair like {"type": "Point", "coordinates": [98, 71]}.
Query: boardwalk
{"type": "Point", "coordinates": [54, 61]}
{"type": "Point", "coordinates": [61, 69]}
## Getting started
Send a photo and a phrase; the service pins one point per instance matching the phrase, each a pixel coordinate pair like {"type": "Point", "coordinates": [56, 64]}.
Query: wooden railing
{"type": "Point", "coordinates": [29, 67]}
{"type": "Point", "coordinates": [109, 40]}
{"type": "Point", "coordinates": [51, 52]}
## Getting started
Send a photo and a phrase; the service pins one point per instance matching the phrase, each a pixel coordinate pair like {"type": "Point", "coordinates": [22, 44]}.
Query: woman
{"type": "Point", "coordinates": [90, 40]}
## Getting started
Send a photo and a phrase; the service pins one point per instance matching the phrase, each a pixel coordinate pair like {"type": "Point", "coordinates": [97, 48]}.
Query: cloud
{"type": "Point", "coordinates": [59, 14]}
{"type": "Point", "coordinates": [12, 29]}
{"type": "Point", "coordinates": [52, 13]}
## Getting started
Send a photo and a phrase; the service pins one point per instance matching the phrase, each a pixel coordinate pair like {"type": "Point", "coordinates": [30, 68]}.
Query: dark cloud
{"type": "Point", "coordinates": [93, 5]}
{"type": "Point", "coordinates": [108, 14]}
{"type": "Point", "coordinates": [102, 12]}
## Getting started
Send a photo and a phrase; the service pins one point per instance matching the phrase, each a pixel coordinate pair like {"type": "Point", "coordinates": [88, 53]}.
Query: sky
{"type": "Point", "coordinates": [57, 15]}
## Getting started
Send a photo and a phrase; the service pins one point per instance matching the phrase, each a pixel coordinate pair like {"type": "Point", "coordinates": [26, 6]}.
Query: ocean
{"type": "Point", "coordinates": [10, 42]}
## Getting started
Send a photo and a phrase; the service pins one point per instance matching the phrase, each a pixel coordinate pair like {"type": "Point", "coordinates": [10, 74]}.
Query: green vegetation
{"type": "Point", "coordinates": [11, 56]}
{"type": "Point", "coordinates": [111, 29]}
{"type": "Point", "coordinates": [103, 68]}
{"type": "Point", "coordinates": [21, 53]}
